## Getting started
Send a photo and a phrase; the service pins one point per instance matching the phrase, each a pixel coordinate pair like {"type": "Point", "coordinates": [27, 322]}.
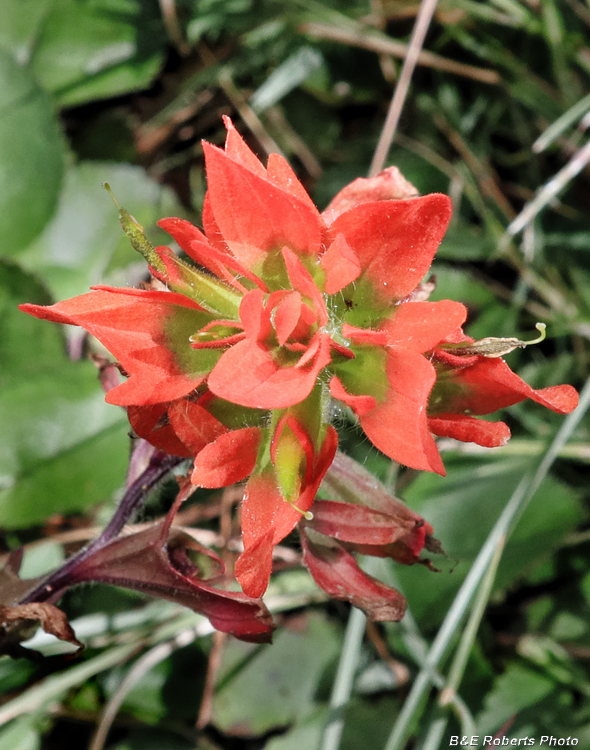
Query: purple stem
{"type": "Point", "coordinates": [52, 586]}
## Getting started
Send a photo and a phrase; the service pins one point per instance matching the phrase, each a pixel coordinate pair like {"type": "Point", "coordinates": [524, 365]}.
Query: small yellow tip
{"type": "Point", "coordinates": [107, 187]}
{"type": "Point", "coordinates": [307, 514]}
{"type": "Point", "coordinates": [542, 328]}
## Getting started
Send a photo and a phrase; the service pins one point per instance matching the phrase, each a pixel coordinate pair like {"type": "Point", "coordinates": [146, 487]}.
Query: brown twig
{"type": "Point", "coordinates": [294, 142]}
{"type": "Point", "coordinates": [483, 173]}
{"type": "Point", "coordinates": [239, 101]}
{"type": "Point", "coordinates": [427, 8]}
{"type": "Point", "coordinates": [170, 19]}
{"type": "Point", "coordinates": [399, 670]}
{"type": "Point", "coordinates": [381, 44]}
{"type": "Point", "coordinates": [213, 667]}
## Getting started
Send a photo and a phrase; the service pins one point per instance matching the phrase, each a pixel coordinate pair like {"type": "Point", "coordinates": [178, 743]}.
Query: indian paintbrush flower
{"type": "Point", "coordinates": [235, 359]}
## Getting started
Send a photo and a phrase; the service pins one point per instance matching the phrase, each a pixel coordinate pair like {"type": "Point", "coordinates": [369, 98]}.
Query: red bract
{"type": "Point", "coordinates": [236, 366]}
{"type": "Point", "coordinates": [363, 517]}
{"type": "Point", "coordinates": [470, 384]}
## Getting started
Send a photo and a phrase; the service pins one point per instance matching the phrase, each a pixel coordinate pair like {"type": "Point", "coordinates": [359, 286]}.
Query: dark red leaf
{"type": "Point", "coordinates": [143, 562]}
{"type": "Point", "coordinates": [336, 571]}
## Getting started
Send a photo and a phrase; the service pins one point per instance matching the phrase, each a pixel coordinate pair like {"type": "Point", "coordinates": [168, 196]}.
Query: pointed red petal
{"type": "Point", "coordinates": [194, 243]}
{"type": "Point", "coordinates": [400, 536]}
{"type": "Point", "coordinates": [229, 459]}
{"type": "Point", "coordinates": [254, 566]}
{"type": "Point", "coordinates": [388, 185]}
{"type": "Point", "coordinates": [145, 420]}
{"type": "Point", "coordinates": [365, 336]}
{"type": "Point", "coordinates": [398, 426]}
{"type": "Point", "coordinates": [194, 425]}
{"type": "Point", "coordinates": [340, 265]}
{"type": "Point", "coordinates": [141, 329]}
{"type": "Point", "coordinates": [263, 507]}
{"type": "Point", "coordinates": [301, 280]}
{"type": "Point", "coordinates": [359, 404]}
{"type": "Point", "coordinates": [253, 215]}
{"type": "Point", "coordinates": [183, 232]}
{"type": "Point", "coordinates": [280, 173]}
{"type": "Point", "coordinates": [336, 571]}
{"type": "Point", "coordinates": [254, 316]}
{"type": "Point", "coordinates": [210, 226]}
{"type": "Point", "coordinates": [144, 562]}
{"type": "Point", "coordinates": [236, 148]}
{"type": "Point", "coordinates": [395, 241]}
{"type": "Point", "coordinates": [470, 430]}
{"type": "Point", "coordinates": [348, 522]}
{"type": "Point", "coordinates": [287, 315]}
{"type": "Point", "coordinates": [347, 480]}
{"type": "Point", "coordinates": [421, 326]}
{"type": "Point", "coordinates": [490, 384]}
{"type": "Point", "coordinates": [247, 375]}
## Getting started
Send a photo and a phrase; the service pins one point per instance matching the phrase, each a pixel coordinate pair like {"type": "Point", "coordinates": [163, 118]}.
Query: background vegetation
{"type": "Point", "coordinates": [122, 91]}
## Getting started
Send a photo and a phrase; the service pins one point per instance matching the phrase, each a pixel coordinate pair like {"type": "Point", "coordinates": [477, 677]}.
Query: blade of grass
{"type": "Point", "coordinates": [562, 123]}
{"type": "Point", "coordinates": [449, 693]}
{"type": "Point", "coordinates": [514, 508]}
{"type": "Point", "coordinates": [138, 671]}
{"type": "Point", "coordinates": [417, 646]}
{"type": "Point", "coordinates": [355, 631]}
{"type": "Point", "coordinates": [555, 185]}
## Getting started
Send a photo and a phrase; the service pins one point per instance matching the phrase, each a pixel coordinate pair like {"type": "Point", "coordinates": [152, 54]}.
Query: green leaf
{"type": "Point", "coordinates": [22, 734]}
{"type": "Point", "coordinates": [305, 734]}
{"type": "Point", "coordinates": [267, 688]}
{"type": "Point", "coordinates": [98, 48]}
{"type": "Point", "coordinates": [462, 508]}
{"type": "Point", "coordinates": [31, 156]}
{"type": "Point", "coordinates": [62, 448]}
{"type": "Point", "coordinates": [20, 21]}
{"type": "Point", "coordinates": [518, 688]}
{"type": "Point", "coordinates": [84, 243]}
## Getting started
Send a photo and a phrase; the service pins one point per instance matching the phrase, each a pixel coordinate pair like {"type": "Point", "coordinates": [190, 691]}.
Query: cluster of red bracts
{"type": "Point", "coordinates": [236, 365]}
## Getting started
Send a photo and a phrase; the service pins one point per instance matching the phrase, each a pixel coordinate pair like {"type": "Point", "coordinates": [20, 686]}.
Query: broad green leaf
{"type": "Point", "coordinates": [518, 688]}
{"type": "Point", "coordinates": [462, 508]}
{"type": "Point", "coordinates": [21, 734]}
{"type": "Point", "coordinates": [265, 688]}
{"type": "Point", "coordinates": [72, 480]}
{"type": "Point", "coordinates": [31, 156]}
{"type": "Point", "coordinates": [14, 674]}
{"type": "Point", "coordinates": [98, 48]}
{"type": "Point", "coordinates": [568, 627]}
{"type": "Point", "coordinates": [20, 21]}
{"type": "Point", "coordinates": [28, 346]}
{"type": "Point", "coordinates": [84, 240]}
{"type": "Point", "coordinates": [39, 560]}
{"type": "Point", "coordinates": [305, 734]}
{"type": "Point", "coordinates": [62, 448]}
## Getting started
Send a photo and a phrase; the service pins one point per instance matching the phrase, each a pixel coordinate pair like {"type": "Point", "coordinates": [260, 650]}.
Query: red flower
{"type": "Point", "coordinates": [362, 518]}
{"type": "Point", "coordinates": [470, 384]}
{"type": "Point", "coordinates": [236, 367]}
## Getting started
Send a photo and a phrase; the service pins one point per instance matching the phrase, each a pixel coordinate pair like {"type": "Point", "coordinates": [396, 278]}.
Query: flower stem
{"type": "Point", "coordinates": [160, 464]}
